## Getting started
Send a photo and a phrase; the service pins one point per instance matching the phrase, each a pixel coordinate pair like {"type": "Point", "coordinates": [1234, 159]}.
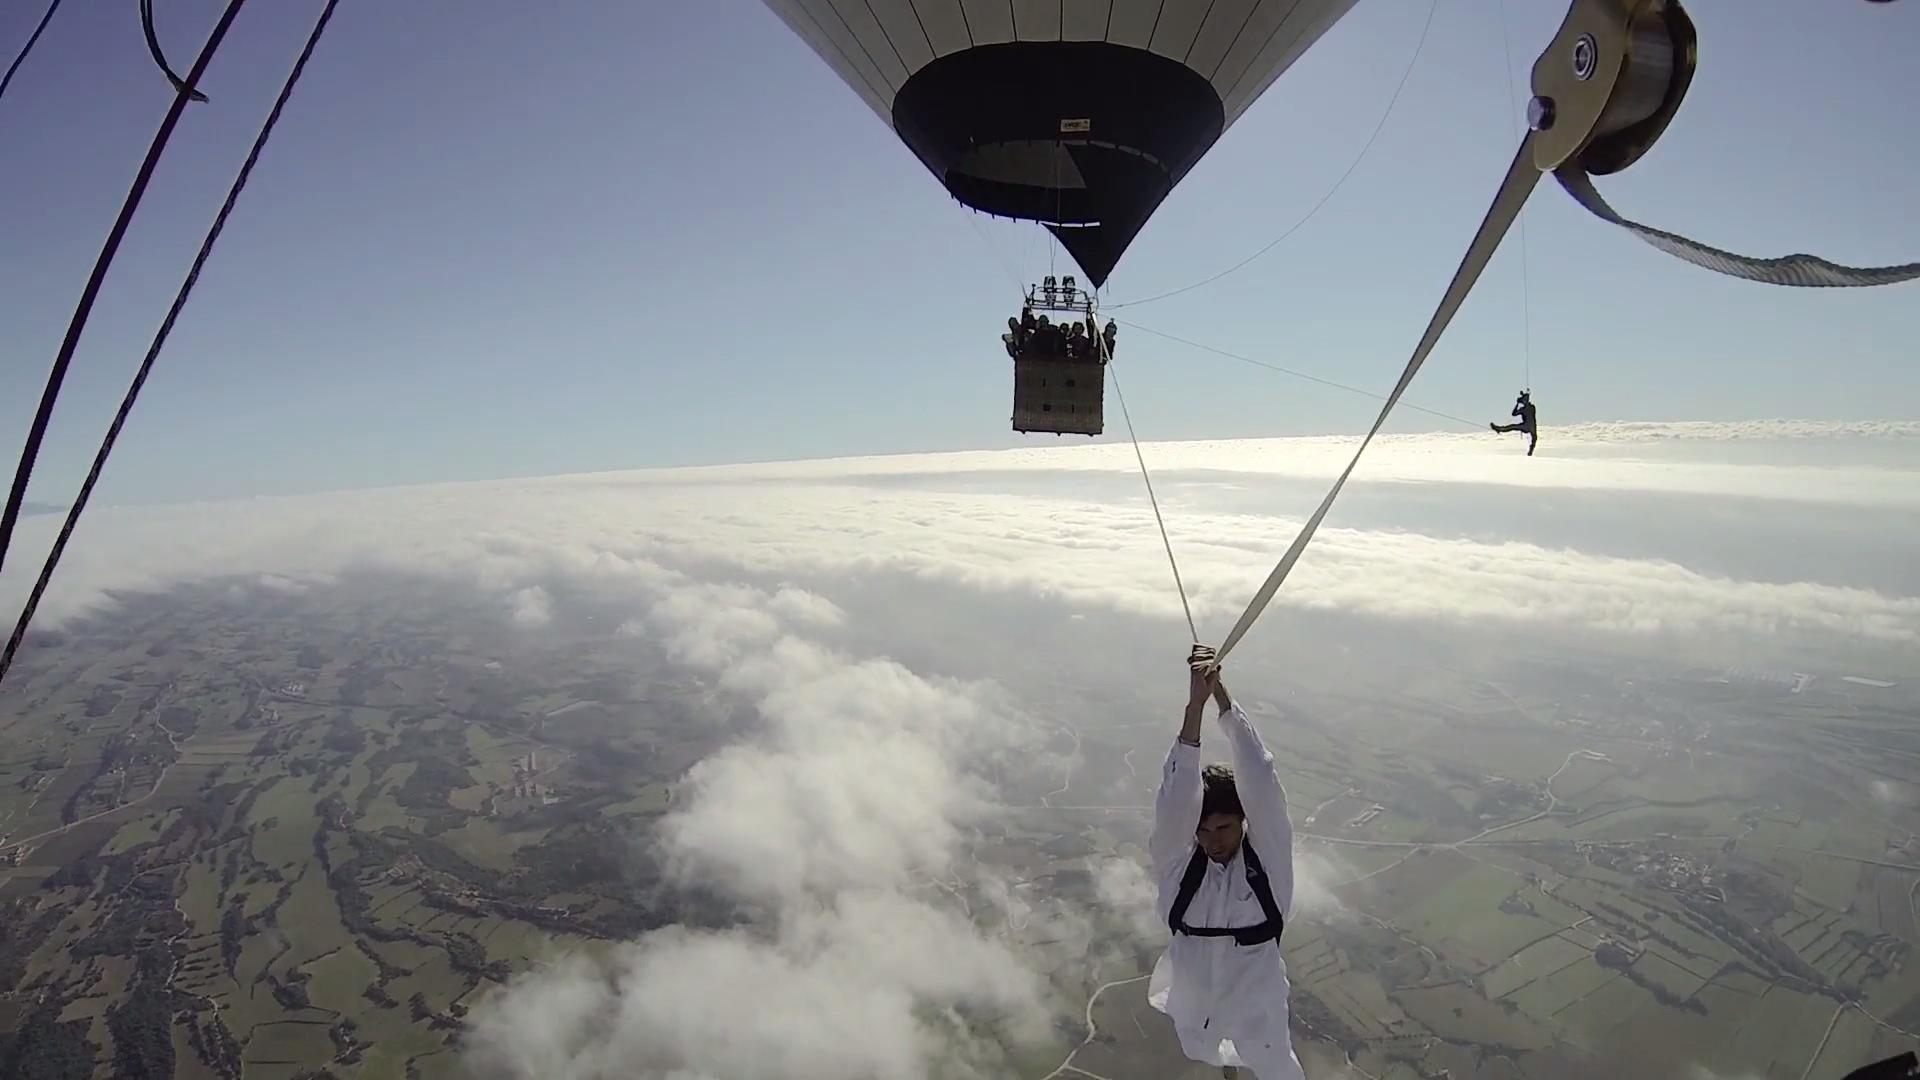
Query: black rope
{"type": "Point", "coordinates": [160, 339]}
{"type": "Point", "coordinates": [159, 55]}
{"type": "Point", "coordinates": [1412, 62]}
{"type": "Point", "coordinates": [180, 86]}
{"type": "Point", "coordinates": [1475, 425]}
{"type": "Point", "coordinates": [21, 57]}
{"type": "Point", "coordinates": [37, 433]}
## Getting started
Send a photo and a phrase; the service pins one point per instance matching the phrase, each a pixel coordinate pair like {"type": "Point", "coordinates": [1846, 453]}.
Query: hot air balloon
{"type": "Point", "coordinates": [1078, 114]}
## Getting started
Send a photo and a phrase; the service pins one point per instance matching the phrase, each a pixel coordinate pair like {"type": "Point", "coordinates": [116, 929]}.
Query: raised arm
{"type": "Point", "coordinates": [1258, 783]}
{"type": "Point", "coordinates": [1176, 809]}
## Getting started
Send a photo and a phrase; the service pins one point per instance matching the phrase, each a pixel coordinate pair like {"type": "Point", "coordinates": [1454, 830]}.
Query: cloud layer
{"type": "Point", "coordinates": [833, 518]}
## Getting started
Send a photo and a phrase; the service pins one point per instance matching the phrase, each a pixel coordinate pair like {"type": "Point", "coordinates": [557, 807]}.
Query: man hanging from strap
{"type": "Point", "coordinates": [1522, 408]}
{"type": "Point", "coordinates": [1222, 850]}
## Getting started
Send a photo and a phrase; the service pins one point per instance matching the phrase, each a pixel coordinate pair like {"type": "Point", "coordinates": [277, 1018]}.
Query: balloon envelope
{"type": "Point", "coordinates": [1080, 114]}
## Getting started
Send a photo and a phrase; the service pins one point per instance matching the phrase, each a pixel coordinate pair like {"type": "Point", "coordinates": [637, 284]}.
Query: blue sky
{"type": "Point", "coordinates": [499, 239]}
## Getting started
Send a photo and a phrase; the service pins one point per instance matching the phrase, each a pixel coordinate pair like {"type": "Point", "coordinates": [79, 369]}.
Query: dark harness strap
{"type": "Point", "coordinates": [1268, 929]}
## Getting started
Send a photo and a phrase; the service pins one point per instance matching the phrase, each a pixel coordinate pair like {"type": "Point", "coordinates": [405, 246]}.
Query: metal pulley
{"type": "Point", "coordinates": [1610, 83]}
{"type": "Point", "coordinates": [1604, 92]}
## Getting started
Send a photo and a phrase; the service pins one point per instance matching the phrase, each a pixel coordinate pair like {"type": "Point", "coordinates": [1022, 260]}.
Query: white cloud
{"type": "Point", "coordinates": [1875, 468]}
{"type": "Point", "coordinates": [841, 992]}
{"type": "Point", "coordinates": [818, 520]}
{"type": "Point", "coordinates": [532, 607]}
{"type": "Point", "coordinates": [853, 789]}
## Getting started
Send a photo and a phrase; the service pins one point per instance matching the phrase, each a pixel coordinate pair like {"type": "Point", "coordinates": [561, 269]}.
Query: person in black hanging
{"type": "Point", "coordinates": [1222, 850]}
{"type": "Point", "coordinates": [1522, 408]}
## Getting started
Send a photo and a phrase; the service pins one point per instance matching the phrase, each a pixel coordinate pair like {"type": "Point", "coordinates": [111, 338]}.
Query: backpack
{"type": "Point", "coordinates": [1268, 929]}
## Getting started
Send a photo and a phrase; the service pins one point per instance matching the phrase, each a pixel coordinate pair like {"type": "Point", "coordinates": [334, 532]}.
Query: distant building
{"type": "Point", "coordinates": [1365, 816]}
{"type": "Point", "coordinates": [1768, 678]}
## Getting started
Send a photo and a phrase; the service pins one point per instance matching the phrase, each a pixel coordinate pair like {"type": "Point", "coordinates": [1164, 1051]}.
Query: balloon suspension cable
{"type": "Point", "coordinates": [1604, 91]}
{"type": "Point", "coordinates": [1473, 425]}
{"type": "Point", "coordinates": [37, 431]}
{"type": "Point", "coordinates": [1059, 203]}
{"type": "Point", "coordinates": [1019, 284]}
{"type": "Point", "coordinates": [180, 86]}
{"type": "Point", "coordinates": [32, 39]}
{"type": "Point", "coordinates": [1412, 62]}
{"type": "Point", "coordinates": [1152, 500]}
{"type": "Point", "coordinates": [1526, 260]}
{"type": "Point", "coordinates": [160, 336]}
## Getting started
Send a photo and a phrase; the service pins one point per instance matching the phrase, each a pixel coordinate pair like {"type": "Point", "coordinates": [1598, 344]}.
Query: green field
{"type": "Point", "coordinates": [321, 877]}
{"type": "Point", "coordinates": [1679, 901]}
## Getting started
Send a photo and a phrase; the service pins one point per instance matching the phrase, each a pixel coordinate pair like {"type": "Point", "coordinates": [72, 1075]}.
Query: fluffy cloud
{"type": "Point", "coordinates": [532, 607]}
{"type": "Point", "coordinates": [822, 820]}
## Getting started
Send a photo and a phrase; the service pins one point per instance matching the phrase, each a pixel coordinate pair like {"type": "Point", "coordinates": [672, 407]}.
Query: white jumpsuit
{"type": "Point", "coordinates": [1228, 1003]}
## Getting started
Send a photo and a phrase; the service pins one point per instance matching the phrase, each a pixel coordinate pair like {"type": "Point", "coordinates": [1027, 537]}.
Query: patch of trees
{"type": "Point", "coordinates": [1644, 930]}
{"type": "Point", "coordinates": [1762, 948]}
{"type": "Point", "coordinates": [290, 993]}
{"type": "Point", "coordinates": [344, 738]}
{"type": "Point", "coordinates": [142, 1021]}
{"type": "Point", "coordinates": [204, 815]}
{"type": "Point", "coordinates": [358, 681]}
{"type": "Point", "coordinates": [371, 857]}
{"type": "Point", "coordinates": [235, 926]}
{"type": "Point", "coordinates": [44, 1047]}
{"type": "Point", "coordinates": [432, 781]}
{"type": "Point", "coordinates": [102, 701]}
{"type": "Point", "coordinates": [216, 1046]}
{"type": "Point", "coordinates": [23, 928]}
{"type": "Point", "coordinates": [576, 859]}
{"type": "Point", "coordinates": [1615, 957]}
{"type": "Point", "coordinates": [44, 639]}
{"type": "Point", "coordinates": [440, 757]}
{"type": "Point", "coordinates": [1316, 1016]}
{"type": "Point", "coordinates": [436, 855]}
{"type": "Point", "coordinates": [230, 867]}
{"type": "Point", "coordinates": [78, 871]}
{"type": "Point", "coordinates": [180, 720]}
{"type": "Point", "coordinates": [142, 917]}
{"type": "Point", "coordinates": [614, 764]}
{"type": "Point", "coordinates": [242, 808]}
